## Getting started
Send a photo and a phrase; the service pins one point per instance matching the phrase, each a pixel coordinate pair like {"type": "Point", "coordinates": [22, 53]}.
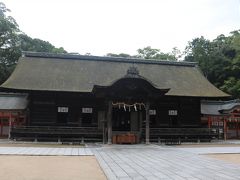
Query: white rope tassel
{"type": "Point", "coordinates": [124, 107]}
{"type": "Point", "coordinates": [135, 107]}
{"type": "Point", "coordinates": [129, 108]}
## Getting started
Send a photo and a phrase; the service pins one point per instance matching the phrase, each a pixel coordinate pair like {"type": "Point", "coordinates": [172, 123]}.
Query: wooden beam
{"type": "Point", "coordinates": [109, 122]}
{"type": "Point", "coordinates": [147, 123]}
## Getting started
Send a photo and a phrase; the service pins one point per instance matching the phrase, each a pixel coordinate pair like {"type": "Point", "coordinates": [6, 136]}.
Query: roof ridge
{"type": "Point", "coordinates": [105, 58]}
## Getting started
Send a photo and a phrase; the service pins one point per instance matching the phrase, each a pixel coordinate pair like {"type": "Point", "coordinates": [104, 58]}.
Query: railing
{"type": "Point", "coordinates": [181, 131]}
{"type": "Point", "coordinates": [177, 135]}
{"type": "Point", "coordinates": [95, 134]}
{"type": "Point", "coordinates": [59, 133]}
{"type": "Point", "coordinates": [56, 130]}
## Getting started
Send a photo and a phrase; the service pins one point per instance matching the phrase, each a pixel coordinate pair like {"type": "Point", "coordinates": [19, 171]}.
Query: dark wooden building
{"type": "Point", "coordinates": [113, 99]}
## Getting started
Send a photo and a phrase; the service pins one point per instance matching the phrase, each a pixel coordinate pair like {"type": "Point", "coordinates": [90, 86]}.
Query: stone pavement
{"type": "Point", "coordinates": [163, 162]}
{"type": "Point", "coordinates": [147, 161]}
{"type": "Point", "coordinates": [211, 150]}
{"type": "Point", "coordinates": [45, 151]}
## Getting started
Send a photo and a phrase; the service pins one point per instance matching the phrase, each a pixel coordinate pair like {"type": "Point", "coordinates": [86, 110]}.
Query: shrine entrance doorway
{"type": "Point", "coordinates": [128, 121]}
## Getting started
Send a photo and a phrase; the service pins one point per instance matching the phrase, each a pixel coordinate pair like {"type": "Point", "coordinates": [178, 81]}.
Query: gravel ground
{"type": "Point", "coordinates": [231, 158]}
{"type": "Point", "coordinates": [50, 168]}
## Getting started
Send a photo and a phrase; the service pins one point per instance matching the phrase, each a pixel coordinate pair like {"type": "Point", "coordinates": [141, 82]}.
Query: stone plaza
{"type": "Point", "coordinates": [146, 161]}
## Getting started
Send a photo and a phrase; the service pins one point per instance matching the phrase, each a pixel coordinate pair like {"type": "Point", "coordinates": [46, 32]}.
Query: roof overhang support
{"type": "Point", "coordinates": [129, 87]}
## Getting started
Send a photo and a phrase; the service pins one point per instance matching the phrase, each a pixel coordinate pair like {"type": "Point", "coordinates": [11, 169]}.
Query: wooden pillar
{"type": "Point", "coordinates": [237, 127]}
{"type": "Point", "coordinates": [209, 122]}
{"type": "Point", "coordinates": [140, 125]}
{"type": "Point", "coordinates": [103, 131]}
{"type": "Point", "coordinates": [109, 122]}
{"type": "Point", "coordinates": [225, 129]}
{"type": "Point", "coordinates": [1, 126]}
{"type": "Point", "coordinates": [10, 125]}
{"type": "Point", "coordinates": [147, 123]}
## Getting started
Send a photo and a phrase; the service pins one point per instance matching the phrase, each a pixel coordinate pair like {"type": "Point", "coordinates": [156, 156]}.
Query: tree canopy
{"type": "Point", "coordinates": [13, 42]}
{"type": "Point", "coordinates": [219, 60]}
{"type": "Point", "coordinates": [151, 53]}
{"type": "Point", "coordinates": [9, 51]}
{"type": "Point", "coordinates": [37, 45]}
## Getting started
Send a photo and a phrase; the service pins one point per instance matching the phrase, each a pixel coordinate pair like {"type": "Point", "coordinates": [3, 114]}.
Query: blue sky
{"type": "Point", "coordinates": [102, 26]}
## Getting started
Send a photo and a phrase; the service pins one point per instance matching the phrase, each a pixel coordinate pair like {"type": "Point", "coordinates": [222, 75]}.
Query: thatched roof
{"type": "Point", "coordinates": [77, 73]}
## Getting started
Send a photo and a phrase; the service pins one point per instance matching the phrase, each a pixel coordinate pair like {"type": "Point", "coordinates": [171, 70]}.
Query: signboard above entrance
{"type": "Point", "coordinates": [152, 112]}
{"type": "Point", "coordinates": [86, 110]}
{"type": "Point", "coordinates": [172, 112]}
{"type": "Point", "coordinates": [63, 109]}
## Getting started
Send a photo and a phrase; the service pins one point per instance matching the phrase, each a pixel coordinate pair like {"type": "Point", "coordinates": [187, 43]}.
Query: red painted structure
{"type": "Point", "coordinates": [225, 119]}
{"type": "Point", "coordinates": [12, 112]}
{"type": "Point", "coordinates": [10, 118]}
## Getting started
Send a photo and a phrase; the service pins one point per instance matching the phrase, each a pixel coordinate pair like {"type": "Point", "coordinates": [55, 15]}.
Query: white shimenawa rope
{"type": "Point", "coordinates": [125, 106]}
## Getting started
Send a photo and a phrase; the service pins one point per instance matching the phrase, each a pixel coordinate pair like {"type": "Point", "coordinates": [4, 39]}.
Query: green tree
{"type": "Point", "coordinates": [13, 42]}
{"type": "Point", "coordinates": [150, 53]}
{"type": "Point", "coordinates": [219, 60]}
{"type": "Point", "coordinates": [123, 55]}
{"type": "Point", "coordinates": [232, 86]}
{"type": "Point", "coordinates": [9, 42]}
{"type": "Point", "coordinates": [176, 53]}
{"type": "Point", "coordinates": [37, 45]}
{"type": "Point", "coordinates": [198, 50]}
